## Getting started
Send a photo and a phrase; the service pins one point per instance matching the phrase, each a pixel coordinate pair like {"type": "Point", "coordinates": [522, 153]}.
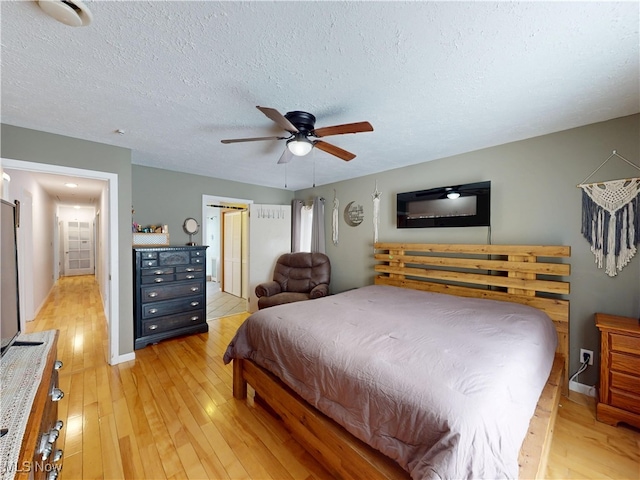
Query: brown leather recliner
{"type": "Point", "coordinates": [297, 276]}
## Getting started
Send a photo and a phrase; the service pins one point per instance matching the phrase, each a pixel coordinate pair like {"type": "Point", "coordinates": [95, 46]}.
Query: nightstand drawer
{"type": "Point", "coordinates": [625, 343]}
{"type": "Point", "coordinates": [621, 362]}
{"type": "Point", "coordinates": [625, 400]}
{"type": "Point", "coordinates": [622, 381]}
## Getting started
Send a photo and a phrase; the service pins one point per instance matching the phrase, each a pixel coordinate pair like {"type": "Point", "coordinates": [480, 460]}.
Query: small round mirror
{"type": "Point", "coordinates": [191, 226]}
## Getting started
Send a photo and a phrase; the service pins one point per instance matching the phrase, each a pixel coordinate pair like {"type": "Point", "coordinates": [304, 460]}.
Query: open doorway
{"type": "Point", "coordinates": [108, 242]}
{"type": "Point", "coordinates": [225, 232]}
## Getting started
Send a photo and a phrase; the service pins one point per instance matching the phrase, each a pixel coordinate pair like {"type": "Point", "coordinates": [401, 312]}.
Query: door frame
{"type": "Point", "coordinates": [111, 250]}
{"type": "Point", "coordinates": [217, 199]}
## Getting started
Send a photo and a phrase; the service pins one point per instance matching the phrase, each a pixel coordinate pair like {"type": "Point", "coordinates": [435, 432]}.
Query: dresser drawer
{"type": "Point", "coordinates": [198, 253]}
{"type": "Point", "coordinates": [190, 268]}
{"type": "Point", "coordinates": [163, 324]}
{"type": "Point", "coordinates": [158, 279]}
{"type": "Point", "coordinates": [625, 400]}
{"type": "Point", "coordinates": [625, 343]}
{"type": "Point", "coordinates": [622, 381]}
{"type": "Point", "coordinates": [189, 275]}
{"type": "Point", "coordinates": [148, 255]}
{"type": "Point", "coordinates": [178, 257]}
{"type": "Point", "coordinates": [154, 293]}
{"type": "Point", "coordinates": [197, 260]}
{"type": "Point", "coordinates": [170, 307]}
{"type": "Point", "coordinates": [157, 271]}
{"type": "Point", "coordinates": [621, 362]}
{"type": "Point", "coordinates": [149, 263]}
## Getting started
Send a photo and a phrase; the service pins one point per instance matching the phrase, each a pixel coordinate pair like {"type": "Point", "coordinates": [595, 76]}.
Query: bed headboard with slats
{"type": "Point", "coordinates": [512, 273]}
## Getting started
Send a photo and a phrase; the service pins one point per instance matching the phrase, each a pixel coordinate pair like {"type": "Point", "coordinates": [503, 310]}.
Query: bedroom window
{"type": "Point", "coordinates": [307, 226]}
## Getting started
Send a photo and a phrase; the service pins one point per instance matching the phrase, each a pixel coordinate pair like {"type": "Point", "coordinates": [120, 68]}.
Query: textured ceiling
{"type": "Point", "coordinates": [433, 78]}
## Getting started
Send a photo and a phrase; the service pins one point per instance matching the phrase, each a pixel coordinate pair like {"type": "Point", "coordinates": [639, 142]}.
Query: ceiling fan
{"type": "Point", "coordinates": [303, 134]}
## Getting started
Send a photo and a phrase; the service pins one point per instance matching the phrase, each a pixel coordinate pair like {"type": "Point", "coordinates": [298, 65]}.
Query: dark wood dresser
{"type": "Point", "coordinates": [619, 370]}
{"type": "Point", "coordinates": [169, 293]}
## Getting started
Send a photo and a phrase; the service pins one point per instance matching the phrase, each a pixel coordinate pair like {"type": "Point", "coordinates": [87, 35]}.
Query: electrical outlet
{"type": "Point", "coordinates": [583, 353]}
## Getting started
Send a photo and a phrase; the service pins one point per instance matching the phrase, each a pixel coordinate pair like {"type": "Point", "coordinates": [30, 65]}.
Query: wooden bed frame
{"type": "Point", "coordinates": [501, 272]}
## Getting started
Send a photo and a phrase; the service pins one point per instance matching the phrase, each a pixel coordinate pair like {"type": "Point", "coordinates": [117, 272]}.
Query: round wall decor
{"type": "Point", "coordinates": [353, 214]}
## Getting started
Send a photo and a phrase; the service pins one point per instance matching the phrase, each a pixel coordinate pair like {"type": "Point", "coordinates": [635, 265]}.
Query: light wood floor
{"type": "Point", "coordinates": [170, 413]}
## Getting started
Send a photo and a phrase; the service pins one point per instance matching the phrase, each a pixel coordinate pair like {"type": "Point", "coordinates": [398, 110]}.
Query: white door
{"type": "Point", "coordinates": [269, 237]}
{"type": "Point", "coordinates": [232, 253]}
{"type": "Point", "coordinates": [78, 239]}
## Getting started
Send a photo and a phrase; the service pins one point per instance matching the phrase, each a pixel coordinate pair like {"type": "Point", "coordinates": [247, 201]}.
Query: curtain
{"type": "Point", "coordinates": [317, 228]}
{"type": "Point", "coordinates": [296, 215]}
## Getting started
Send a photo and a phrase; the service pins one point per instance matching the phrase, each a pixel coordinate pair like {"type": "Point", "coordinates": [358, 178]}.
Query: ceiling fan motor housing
{"type": "Point", "coordinates": [305, 122]}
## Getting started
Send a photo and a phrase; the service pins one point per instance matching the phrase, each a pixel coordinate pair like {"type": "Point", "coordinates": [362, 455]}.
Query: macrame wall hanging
{"type": "Point", "coordinates": [611, 219]}
{"type": "Point", "coordinates": [334, 219]}
{"type": "Point", "coordinates": [376, 212]}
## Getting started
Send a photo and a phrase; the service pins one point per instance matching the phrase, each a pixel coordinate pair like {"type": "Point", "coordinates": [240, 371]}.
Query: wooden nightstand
{"type": "Point", "coordinates": [619, 370]}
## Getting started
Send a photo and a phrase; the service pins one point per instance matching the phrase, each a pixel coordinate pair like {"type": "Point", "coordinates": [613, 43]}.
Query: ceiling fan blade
{"type": "Point", "coordinates": [286, 156]}
{"type": "Point", "coordinates": [280, 119]}
{"type": "Point", "coordinates": [333, 150]}
{"type": "Point", "coordinates": [254, 139]}
{"type": "Point", "coordinates": [346, 128]}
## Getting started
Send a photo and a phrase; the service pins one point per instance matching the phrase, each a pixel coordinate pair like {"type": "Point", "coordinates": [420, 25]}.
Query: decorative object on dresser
{"type": "Point", "coordinates": [169, 293]}
{"type": "Point", "coordinates": [619, 399]}
{"type": "Point", "coordinates": [29, 414]}
{"type": "Point", "coordinates": [191, 227]}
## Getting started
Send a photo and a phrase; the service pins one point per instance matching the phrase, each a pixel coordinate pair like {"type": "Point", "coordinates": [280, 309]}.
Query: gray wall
{"type": "Point", "coordinates": [163, 197]}
{"type": "Point", "coordinates": [534, 201]}
{"type": "Point", "coordinates": [158, 196]}
{"type": "Point", "coordinates": [40, 147]}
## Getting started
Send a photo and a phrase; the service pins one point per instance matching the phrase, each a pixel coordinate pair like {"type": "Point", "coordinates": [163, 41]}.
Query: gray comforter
{"type": "Point", "coordinates": [444, 385]}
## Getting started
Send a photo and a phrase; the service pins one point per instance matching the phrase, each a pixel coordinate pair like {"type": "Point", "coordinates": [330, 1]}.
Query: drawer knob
{"type": "Point", "coordinates": [195, 289]}
{"type": "Point", "coordinates": [195, 318]}
{"type": "Point", "coordinates": [58, 365]}
{"type": "Point", "coordinates": [189, 269]}
{"type": "Point", "coordinates": [158, 280]}
{"type": "Point", "coordinates": [158, 272]}
{"type": "Point", "coordinates": [56, 394]}
{"type": "Point", "coordinates": [190, 277]}
{"type": "Point", "coordinates": [153, 327]}
{"type": "Point", "coordinates": [58, 455]}
{"type": "Point", "coordinates": [53, 435]}
{"type": "Point", "coordinates": [46, 450]}
{"type": "Point", "coordinates": [153, 310]}
{"type": "Point", "coordinates": [195, 304]}
{"type": "Point", "coordinates": [152, 294]}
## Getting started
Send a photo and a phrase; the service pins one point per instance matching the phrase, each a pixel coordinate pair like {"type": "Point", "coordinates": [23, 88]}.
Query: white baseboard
{"type": "Point", "coordinates": [123, 358]}
{"type": "Point", "coordinates": [582, 388]}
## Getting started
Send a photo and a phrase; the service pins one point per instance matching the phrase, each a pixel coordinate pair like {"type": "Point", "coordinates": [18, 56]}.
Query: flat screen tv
{"type": "Point", "coordinates": [9, 301]}
{"type": "Point", "coordinates": [466, 205]}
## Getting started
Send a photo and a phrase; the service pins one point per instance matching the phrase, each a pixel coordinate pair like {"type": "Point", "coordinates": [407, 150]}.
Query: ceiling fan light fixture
{"type": "Point", "coordinates": [300, 145]}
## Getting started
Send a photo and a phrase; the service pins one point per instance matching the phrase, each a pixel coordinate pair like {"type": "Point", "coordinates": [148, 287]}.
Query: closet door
{"type": "Point", "coordinates": [232, 253]}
